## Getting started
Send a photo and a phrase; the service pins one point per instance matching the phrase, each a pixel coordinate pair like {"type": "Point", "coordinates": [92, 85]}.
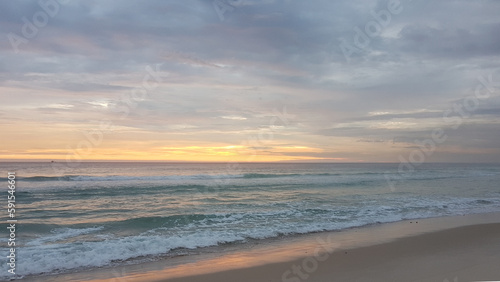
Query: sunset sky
{"type": "Point", "coordinates": [242, 80]}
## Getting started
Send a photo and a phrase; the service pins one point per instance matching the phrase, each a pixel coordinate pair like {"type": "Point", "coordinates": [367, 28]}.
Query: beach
{"type": "Point", "coordinates": [285, 222]}
{"type": "Point", "coordinates": [457, 248]}
{"type": "Point", "coordinates": [461, 254]}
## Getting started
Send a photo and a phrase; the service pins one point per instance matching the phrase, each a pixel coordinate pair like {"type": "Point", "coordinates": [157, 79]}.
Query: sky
{"type": "Point", "coordinates": [250, 80]}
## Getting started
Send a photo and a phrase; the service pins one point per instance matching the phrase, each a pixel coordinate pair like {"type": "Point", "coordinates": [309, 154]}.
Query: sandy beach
{"type": "Point", "coordinates": [461, 254]}
{"type": "Point", "coordinates": [458, 248]}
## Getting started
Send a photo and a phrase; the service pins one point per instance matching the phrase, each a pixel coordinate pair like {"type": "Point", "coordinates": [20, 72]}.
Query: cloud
{"type": "Point", "coordinates": [222, 81]}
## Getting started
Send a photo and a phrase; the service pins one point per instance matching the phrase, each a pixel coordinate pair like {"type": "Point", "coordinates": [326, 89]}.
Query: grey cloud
{"type": "Point", "coordinates": [483, 40]}
{"type": "Point", "coordinates": [428, 57]}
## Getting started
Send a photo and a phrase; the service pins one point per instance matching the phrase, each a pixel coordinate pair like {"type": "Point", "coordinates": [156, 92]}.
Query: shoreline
{"type": "Point", "coordinates": [447, 255]}
{"type": "Point", "coordinates": [319, 254]}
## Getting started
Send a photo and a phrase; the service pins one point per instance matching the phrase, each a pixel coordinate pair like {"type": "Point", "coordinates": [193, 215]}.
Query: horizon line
{"type": "Point", "coordinates": [222, 162]}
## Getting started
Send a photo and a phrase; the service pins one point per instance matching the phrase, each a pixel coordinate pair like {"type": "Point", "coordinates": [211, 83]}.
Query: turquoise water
{"type": "Point", "coordinates": [99, 214]}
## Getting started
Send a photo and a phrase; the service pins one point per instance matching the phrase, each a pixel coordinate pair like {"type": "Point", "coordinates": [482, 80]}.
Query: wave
{"type": "Point", "coordinates": [280, 213]}
{"type": "Point", "coordinates": [58, 234]}
{"type": "Point", "coordinates": [158, 178]}
{"type": "Point", "coordinates": [391, 174]}
{"type": "Point", "coordinates": [159, 236]}
{"type": "Point", "coordinates": [68, 256]}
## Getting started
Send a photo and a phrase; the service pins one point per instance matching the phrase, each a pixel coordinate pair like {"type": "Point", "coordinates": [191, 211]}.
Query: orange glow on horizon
{"type": "Point", "coordinates": [181, 153]}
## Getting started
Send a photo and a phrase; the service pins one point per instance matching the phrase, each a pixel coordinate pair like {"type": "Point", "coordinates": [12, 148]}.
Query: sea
{"type": "Point", "coordinates": [80, 216]}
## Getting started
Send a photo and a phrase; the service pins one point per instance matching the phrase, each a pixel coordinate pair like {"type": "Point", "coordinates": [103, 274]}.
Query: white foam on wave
{"type": "Point", "coordinates": [46, 255]}
{"type": "Point", "coordinates": [62, 257]}
{"type": "Point", "coordinates": [62, 234]}
{"type": "Point", "coordinates": [191, 176]}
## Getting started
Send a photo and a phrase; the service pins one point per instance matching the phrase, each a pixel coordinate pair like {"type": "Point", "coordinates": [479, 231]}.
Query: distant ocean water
{"type": "Point", "coordinates": [100, 214]}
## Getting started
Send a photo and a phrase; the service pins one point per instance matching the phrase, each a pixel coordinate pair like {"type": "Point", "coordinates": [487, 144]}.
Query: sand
{"type": "Point", "coordinates": [452, 249]}
{"type": "Point", "coordinates": [470, 253]}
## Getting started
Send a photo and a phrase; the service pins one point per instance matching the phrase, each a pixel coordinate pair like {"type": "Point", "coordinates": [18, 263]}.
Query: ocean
{"type": "Point", "coordinates": [107, 214]}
